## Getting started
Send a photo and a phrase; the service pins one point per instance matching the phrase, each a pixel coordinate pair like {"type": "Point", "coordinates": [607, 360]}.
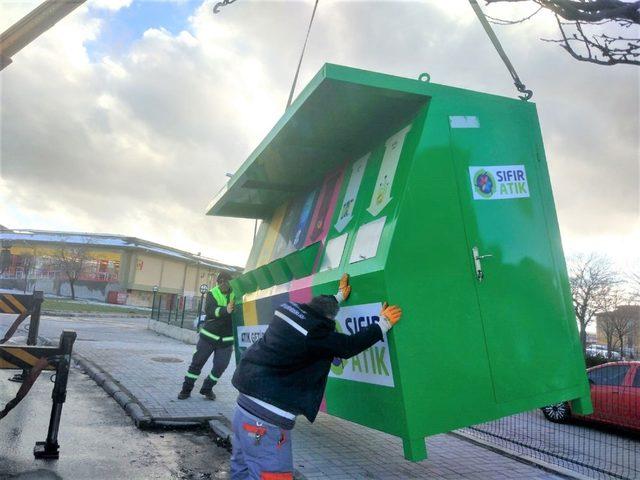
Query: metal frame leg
{"type": "Point", "coordinates": [49, 449]}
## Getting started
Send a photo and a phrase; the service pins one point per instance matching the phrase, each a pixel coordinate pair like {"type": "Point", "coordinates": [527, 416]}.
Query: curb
{"type": "Point", "coordinates": [93, 314]}
{"type": "Point", "coordinates": [109, 385]}
{"type": "Point", "coordinates": [125, 399]}
{"type": "Point", "coordinates": [141, 417]}
{"type": "Point", "coordinates": [221, 428]}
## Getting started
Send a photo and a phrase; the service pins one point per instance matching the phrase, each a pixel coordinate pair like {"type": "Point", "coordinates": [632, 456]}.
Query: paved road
{"type": "Point", "coordinates": [151, 367]}
{"type": "Point", "coordinates": [98, 440]}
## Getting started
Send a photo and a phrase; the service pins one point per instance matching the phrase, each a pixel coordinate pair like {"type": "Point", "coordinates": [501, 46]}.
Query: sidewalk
{"type": "Point", "coordinates": [151, 368]}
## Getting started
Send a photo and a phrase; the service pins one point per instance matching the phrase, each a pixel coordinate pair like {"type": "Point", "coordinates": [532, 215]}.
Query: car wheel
{"type": "Point", "coordinates": [558, 413]}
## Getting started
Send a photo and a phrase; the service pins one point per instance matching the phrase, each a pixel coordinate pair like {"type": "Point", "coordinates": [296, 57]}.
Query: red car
{"type": "Point", "coordinates": [615, 393]}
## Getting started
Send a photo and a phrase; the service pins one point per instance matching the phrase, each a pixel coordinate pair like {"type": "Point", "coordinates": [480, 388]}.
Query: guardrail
{"type": "Point", "coordinates": [182, 313]}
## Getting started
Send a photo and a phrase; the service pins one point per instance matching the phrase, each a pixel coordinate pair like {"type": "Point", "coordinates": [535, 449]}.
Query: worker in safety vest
{"type": "Point", "coordinates": [284, 374]}
{"type": "Point", "coordinates": [216, 336]}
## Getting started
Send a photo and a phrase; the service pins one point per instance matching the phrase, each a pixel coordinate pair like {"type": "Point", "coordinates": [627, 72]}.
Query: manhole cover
{"type": "Point", "coordinates": [167, 359]}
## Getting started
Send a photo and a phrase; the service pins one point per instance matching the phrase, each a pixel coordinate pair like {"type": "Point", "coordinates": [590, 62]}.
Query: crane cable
{"type": "Point", "coordinates": [224, 3]}
{"type": "Point", "coordinates": [526, 94]}
{"type": "Point", "coordinates": [304, 47]}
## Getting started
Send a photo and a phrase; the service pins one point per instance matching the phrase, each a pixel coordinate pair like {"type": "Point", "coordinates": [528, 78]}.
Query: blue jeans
{"type": "Point", "coordinates": [261, 450]}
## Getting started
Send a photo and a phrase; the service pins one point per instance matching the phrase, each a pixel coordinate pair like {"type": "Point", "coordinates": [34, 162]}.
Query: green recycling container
{"type": "Point", "coordinates": [431, 197]}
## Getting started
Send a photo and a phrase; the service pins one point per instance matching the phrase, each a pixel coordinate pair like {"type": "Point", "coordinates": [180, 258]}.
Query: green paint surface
{"type": "Point", "coordinates": [467, 350]}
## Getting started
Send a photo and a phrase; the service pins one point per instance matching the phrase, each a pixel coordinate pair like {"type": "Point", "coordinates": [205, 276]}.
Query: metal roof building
{"type": "Point", "coordinates": [112, 268]}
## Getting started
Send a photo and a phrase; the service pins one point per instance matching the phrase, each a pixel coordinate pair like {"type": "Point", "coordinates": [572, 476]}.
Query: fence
{"type": "Point", "coordinates": [176, 310]}
{"type": "Point", "coordinates": [603, 445]}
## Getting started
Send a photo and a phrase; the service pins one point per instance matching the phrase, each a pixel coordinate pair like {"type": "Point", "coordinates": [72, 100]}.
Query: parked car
{"type": "Point", "coordinates": [615, 394]}
{"type": "Point", "coordinates": [600, 351]}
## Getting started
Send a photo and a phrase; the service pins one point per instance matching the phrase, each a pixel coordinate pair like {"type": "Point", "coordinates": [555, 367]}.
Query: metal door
{"type": "Point", "coordinates": [523, 310]}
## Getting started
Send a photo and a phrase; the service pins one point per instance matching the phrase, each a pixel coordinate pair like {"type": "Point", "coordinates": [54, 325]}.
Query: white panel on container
{"type": "Point", "coordinates": [367, 240]}
{"type": "Point", "coordinates": [333, 252]}
{"type": "Point", "coordinates": [470, 121]}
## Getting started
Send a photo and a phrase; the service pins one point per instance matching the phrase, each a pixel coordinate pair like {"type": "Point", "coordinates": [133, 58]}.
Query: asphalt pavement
{"type": "Point", "coordinates": [97, 439]}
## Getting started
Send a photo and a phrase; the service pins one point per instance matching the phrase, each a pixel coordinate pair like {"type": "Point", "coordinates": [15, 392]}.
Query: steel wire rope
{"type": "Point", "coordinates": [526, 93]}
{"type": "Point", "coordinates": [304, 47]}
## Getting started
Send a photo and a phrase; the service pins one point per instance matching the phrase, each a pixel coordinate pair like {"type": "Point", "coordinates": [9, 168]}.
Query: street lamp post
{"type": "Point", "coordinates": [153, 302]}
{"type": "Point", "coordinates": [204, 288]}
{"type": "Point", "coordinates": [5, 258]}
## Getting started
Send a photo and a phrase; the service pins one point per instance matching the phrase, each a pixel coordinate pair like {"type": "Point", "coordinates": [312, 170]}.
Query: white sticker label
{"type": "Point", "coordinates": [249, 335]}
{"type": "Point", "coordinates": [499, 182]}
{"type": "Point", "coordinates": [382, 192]}
{"type": "Point", "coordinates": [346, 211]}
{"type": "Point", "coordinates": [374, 364]}
{"type": "Point", "coordinates": [464, 122]}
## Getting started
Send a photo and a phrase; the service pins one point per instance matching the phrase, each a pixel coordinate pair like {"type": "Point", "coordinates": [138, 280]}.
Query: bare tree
{"type": "Point", "coordinates": [28, 262]}
{"type": "Point", "coordinates": [592, 280]}
{"type": "Point", "coordinates": [607, 326]}
{"type": "Point", "coordinates": [5, 258]}
{"type": "Point", "coordinates": [633, 281]}
{"type": "Point", "coordinates": [70, 261]}
{"type": "Point", "coordinates": [606, 320]}
{"type": "Point", "coordinates": [605, 32]}
{"type": "Point", "coordinates": [625, 321]}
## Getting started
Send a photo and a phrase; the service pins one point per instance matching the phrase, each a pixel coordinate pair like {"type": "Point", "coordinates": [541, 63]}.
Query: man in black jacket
{"type": "Point", "coordinates": [284, 374]}
{"type": "Point", "coordinates": [216, 336]}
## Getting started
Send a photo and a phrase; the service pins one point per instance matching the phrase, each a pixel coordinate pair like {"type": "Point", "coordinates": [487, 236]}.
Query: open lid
{"type": "Point", "coordinates": [335, 118]}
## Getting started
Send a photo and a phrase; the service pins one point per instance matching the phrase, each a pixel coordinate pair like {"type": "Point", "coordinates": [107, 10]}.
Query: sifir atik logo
{"type": "Point", "coordinates": [374, 364]}
{"type": "Point", "coordinates": [499, 182]}
{"type": "Point", "coordinates": [484, 183]}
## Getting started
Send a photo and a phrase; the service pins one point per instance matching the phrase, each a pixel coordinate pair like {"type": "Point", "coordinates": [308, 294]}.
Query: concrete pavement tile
{"type": "Point", "coordinates": [152, 368]}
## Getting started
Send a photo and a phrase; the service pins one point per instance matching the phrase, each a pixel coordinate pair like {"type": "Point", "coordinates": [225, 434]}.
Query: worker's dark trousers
{"type": "Point", "coordinates": [221, 356]}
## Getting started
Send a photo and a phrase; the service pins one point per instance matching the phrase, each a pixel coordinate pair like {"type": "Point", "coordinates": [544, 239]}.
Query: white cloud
{"type": "Point", "coordinates": [112, 5]}
{"type": "Point", "coordinates": [138, 144]}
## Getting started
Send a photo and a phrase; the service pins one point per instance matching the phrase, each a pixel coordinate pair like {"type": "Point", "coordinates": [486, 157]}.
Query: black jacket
{"type": "Point", "coordinates": [216, 323]}
{"type": "Point", "coordinates": [288, 367]}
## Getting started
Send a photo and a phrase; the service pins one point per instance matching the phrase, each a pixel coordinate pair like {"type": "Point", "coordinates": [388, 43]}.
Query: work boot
{"type": "Point", "coordinates": [184, 395]}
{"type": "Point", "coordinates": [208, 394]}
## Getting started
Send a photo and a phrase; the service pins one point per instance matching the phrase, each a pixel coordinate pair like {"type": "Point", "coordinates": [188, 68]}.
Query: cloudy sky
{"type": "Point", "coordinates": [125, 117]}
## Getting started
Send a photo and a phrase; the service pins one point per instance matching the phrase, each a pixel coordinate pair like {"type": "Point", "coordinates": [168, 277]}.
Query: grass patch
{"type": "Point", "coordinates": [55, 305]}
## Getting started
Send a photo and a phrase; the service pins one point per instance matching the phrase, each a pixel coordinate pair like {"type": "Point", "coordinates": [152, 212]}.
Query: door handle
{"type": "Point", "coordinates": [476, 260]}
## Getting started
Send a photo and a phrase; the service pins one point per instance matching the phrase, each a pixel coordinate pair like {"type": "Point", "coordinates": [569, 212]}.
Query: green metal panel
{"type": "Point", "coordinates": [401, 180]}
{"type": "Point", "coordinates": [301, 262]}
{"type": "Point", "coordinates": [263, 277]}
{"type": "Point", "coordinates": [280, 271]}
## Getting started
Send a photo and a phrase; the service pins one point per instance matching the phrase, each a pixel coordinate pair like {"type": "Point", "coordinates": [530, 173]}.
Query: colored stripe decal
{"type": "Point", "coordinates": [249, 313]}
{"type": "Point", "coordinates": [215, 379]}
{"type": "Point", "coordinates": [272, 235]}
{"type": "Point", "coordinates": [191, 375]}
{"type": "Point", "coordinates": [325, 206]}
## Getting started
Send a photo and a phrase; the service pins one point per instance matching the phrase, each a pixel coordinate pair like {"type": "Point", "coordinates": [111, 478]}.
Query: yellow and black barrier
{"type": "Point", "coordinates": [25, 357]}
{"type": "Point", "coordinates": [15, 303]}
{"type": "Point", "coordinates": [25, 306]}
{"type": "Point", "coordinates": [34, 359]}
